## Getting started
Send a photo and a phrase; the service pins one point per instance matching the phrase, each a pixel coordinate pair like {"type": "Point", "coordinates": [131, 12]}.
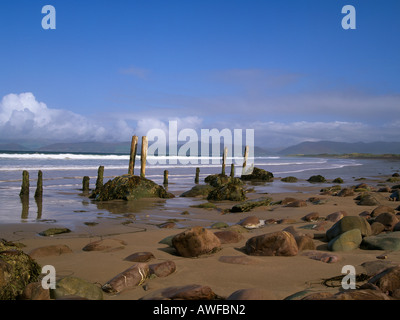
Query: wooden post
{"type": "Point", "coordinates": [133, 155]}
{"type": "Point", "coordinates": [143, 156]}
{"type": "Point", "coordinates": [232, 170]}
{"type": "Point", "coordinates": [224, 160]}
{"type": "Point", "coordinates": [39, 186]}
{"type": "Point", "coordinates": [85, 184]}
{"type": "Point", "coordinates": [196, 179]}
{"type": "Point", "coordinates": [246, 154]}
{"type": "Point", "coordinates": [166, 176]}
{"type": "Point", "coordinates": [99, 181]}
{"type": "Point", "coordinates": [25, 184]}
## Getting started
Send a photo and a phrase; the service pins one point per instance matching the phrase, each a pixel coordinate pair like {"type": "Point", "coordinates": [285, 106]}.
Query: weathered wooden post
{"type": "Point", "coordinates": [196, 179]}
{"type": "Point", "coordinates": [166, 177]}
{"type": "Point", "coordinates": [132, 157]}
{"type": "Point", "coordinates": [224, 160]}
{"type": "Point", "coordinates": [246, 154]}
{"type": "Point", "coordinates": [99, 181]}
{"type": "Point", "coordinates": [143, 156]}
{"type": "Point", "coordinates": [39, 185]}
{"type": "Point", "coordinates": [232, 170]}
{"type": "Point", "coordinates": [25, 184]}
{"type": "Point", "coordinates": [85, 184]}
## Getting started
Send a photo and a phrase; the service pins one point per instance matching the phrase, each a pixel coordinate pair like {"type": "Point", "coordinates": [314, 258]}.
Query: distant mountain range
{"type": "Point", "coordinates": [304, 148]}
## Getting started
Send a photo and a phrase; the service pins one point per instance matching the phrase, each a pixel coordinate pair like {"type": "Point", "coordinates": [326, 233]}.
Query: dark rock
{"type": "Point", "coordinates": [289, 179]}
{"type": "Point", "coordinates": [54, 231]}
{"type": "Point", "coordinates": [389, 220]}
{"type": "Point", "coordinates": [162, 269]}
{"type": "Point", "coordinates": [367, 200]}
{"type": "Point", "coordinates": [35, 291]}
{"type": "Point", "coordinates": [346, 192]}
{"type": "Point", "coordinates": [218, 180]}
{"type": "Point", "coordinates": [383, 241]}
{"type": "Point", "coordinates": [348, 223]}
{"type": "Point", "coordinates": [130, 278]}
{"type": "Point", "coordinates": [167, 225]}
{"type": "Point", "coordinates": [338, 180]}
{"type": "Point", "coordinates": [231, 191]}
{"type": "Point", "coordinates": [198, 190]}
{"type": "Point", "coordinates": [195, 242]}
{"type": "Point", "coordinates": [280, 243]}
{"type": "Point", "coordinates": [395, 196]}
{"type": "Point", "coordinates": [377, 228]}
{"type": "Point", "coordinates": [382, 209]}
{"type": "Point", "coordinates": [251, 204]}
{"type": "Point", "coordinates": [316, 179]}
{"type": "Point", "coordinates": [228, 236]}
{"type": "Point", "coordinates": [313, 216]}
{"type": "Point", "coordinates": [130, 187]}
{"type": "Point", "coordinates": [388, 280]}
{"type": "Point", "coordinates": [77, 287]}
{"type": "Point", "coordinates": [140, 257]}
{"type": "Point", "coordinates": [258, 175]}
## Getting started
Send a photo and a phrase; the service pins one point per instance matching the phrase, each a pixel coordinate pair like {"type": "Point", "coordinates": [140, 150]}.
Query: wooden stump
{"type": "Point", "coordinates": [99, 181]}
{"type": "Point", "coordinates": [39, 186]}
{"type": "Point", "coordinates": [196, 179]}
{"type": "Point", "coordinates": [85, 184]}
{"type": "Point", "coordinates": [133, 155]}
{"type": "Point", "coordinates": [143, 157]}
{"type": "Point", "coordinates": [166, 177]}
{"type": "Point", "coordinates": [25, 184]}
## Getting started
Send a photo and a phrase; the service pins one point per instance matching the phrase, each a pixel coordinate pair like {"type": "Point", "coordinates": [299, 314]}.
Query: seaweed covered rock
{"type": "Point", "coordinates": [198, 190]}
{"type": "Point", "coordinates": [17, 270]}
{"type": "Point", "coordinates": [130, 187]}
{"type": "Point", "coordinates": [258, 175]}
{"type": "Point", "coordinates": [250, 204]}
{"type": "Point", "coordinates": [316, 179]}
{"type": "Point", "coordinates": [348, 223]}
{"type": "Point", "coordinates": [217, 180]}
{"type": "Point", "coordinates": [231, 191]}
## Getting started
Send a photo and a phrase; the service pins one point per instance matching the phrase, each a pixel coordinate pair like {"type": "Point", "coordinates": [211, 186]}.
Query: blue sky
{"type": "Point", "coordinates": [287, 69]}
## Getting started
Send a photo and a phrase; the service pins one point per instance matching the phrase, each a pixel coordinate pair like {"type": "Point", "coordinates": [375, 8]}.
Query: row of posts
{"type": "Point", "coordinates": [99, 183]}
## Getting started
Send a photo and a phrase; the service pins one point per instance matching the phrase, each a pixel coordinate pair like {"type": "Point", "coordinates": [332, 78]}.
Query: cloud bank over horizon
{"type": "Point", "coordinates": [23, 117]}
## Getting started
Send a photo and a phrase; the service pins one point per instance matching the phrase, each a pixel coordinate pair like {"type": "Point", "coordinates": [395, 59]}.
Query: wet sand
{"type": "Point", "coordinates": [279, 276]}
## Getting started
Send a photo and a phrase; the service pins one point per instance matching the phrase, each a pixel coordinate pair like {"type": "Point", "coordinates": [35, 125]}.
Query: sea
{"type": "Point", "coordinates": [63, 201]}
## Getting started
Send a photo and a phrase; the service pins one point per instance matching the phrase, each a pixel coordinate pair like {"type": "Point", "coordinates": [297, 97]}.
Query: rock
{"type": "Point", "coordinates": [244, 260]}
{"type": "Point", "coordinates": [228, 236]}
{"type": "Point", "coordinates": [288, 200]}
{"type": "Point", "coordinates": [187, 292]}
{"type": "Point", "coordinates": [198, 190]}
{"type": "Point", "coordinates": [346, 192]}
{"type": "Point", "coordinates": [167, 240]}
{"type": "Point", "coordinates": [348, 223]}
{"type": "Point", "coordinates": [76, 287]}
{"type": "Point", "coordinates": [130, 278]}
{"type": "Point", "coordinates": [195, 242]}
{"type": "Point", "coordinates": [316, 179]}
{"type": "Point", "coordinates": [258, 175]}
{"type": "Point", "coordinates": [54, 231]}
{"type": "Point", "coordinates": [384, 241]}
{"type": "Point", "coordinates": [322, 256]}
{"type": "Point", "coordinates": [388, 280]}
{"type": "Point", "coordinates": [305, 243]}
{"type": "Point", "coordinates": [389, 220]}
{"type": "Point", "coordinates": [106, 245]}
{"type": "Point", "coordinates": [167, 225]}
{"type": "Point", "coordinates": [395, 196]}
{"type": "Point", "coordinates": [374, 267]}
{"type": "Point", "coordinates": [297, 204]}
{"type": "Point", "coordinates": [231, 191]}
{"type": "Point", "coordinates": [318, 296]}
{"type": "Point", "coordinates": [219, 225]}
{"type": "Point", "coordinates": [218, 180]}
{"type": "Point", "coordinates": [346, 241]}
{"type": "Point", "coordinates": [17, 270]}
{"type": "Point", "coordinates": [312, 216]}
{"type": "Point", "coordinates": [365, 215]}
{"type": "Point", "coordinates": [162, 269]}
{"type": "Point", "coordinates": [280, 243]}
{"type": "Point", "coordinates": [52, 250]}
{"type": "Point", "coordinates": [286, 221]}
{"type": "Point", "coordinates": [251, 204]}
{"type": "Point", "coordinates": [336, 216]}
{"type": "Point", "coordinates": [338, 180]}
{"type": "Point", "coordinates": [35, 291]}
{"type": "Point", "coordinates": [377, 228]}
{"type": "Point", "coordinates": [251, 294]}
{"type": "Point", "coordinates": [251, 222]}
{"type": "Point", "coordinates": [382, 209]}
{"type": "Point", "coordinates": [140, 257]}
{"type": "Point", "coordinates": [289, 179]}
{"type": "Point", "coordinates": [130, 187]}
{"type": "Point", "coordinates": [384, 189]}
{"type": "Point", "coordinates": [331, 190]}
{"type": "Point", "coordinates": [367, 200]}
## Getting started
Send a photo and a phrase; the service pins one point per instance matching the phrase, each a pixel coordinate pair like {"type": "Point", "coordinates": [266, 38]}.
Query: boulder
{"type": "Point", "coordinates": [130, 278]}
{"type": "Point", "coordinates": [377, 228]}
{"type": "Point", "coordinates": [395, 196]}
{"type": "Point", "coordinates": [382, 209]}
{"type": "Point", "coordinates": [388, 281]}
{"type": "Point", "coordinates": [162, 269]}
{"type": "Point", "coordinates": [336, 216]}
{"type": "Point", "coordinates": [77, 287]}
{"type": "Point", "coordinates": [312, 216]}
{"type": "Point", "coordinates": [280, 243]}
{"type": "Point", "coordinates": [316, 179]}
{"type": "Point", "coordinates": [348, 223]}
{"type": "Point", "coordinates": [367, 200]}
{"type": "Point", "coordinates": [383, 241]}
{"type": "Point", "coordinates": [289, 179]}
{"type": "Point", "coordinates": [195, 242]}
{"type": "Point", "coordinates": [389, 220]}
{"type": "Point", "coordinates": [258, 175]}
{"type": "Point", "coordinates": [231, 191]}
{"type": "Point", "coordinates": [52, 250]}
{"type": "Point", "coordinates": [130, 187]}
{"type": "Point", "coordinates": [346, 241]}
{"type": "Point", "coordinates": [218, 180]}
{"type": "Point", "coordinates": [251, 204]}
{"type": "Point", "coordinates": [228, 236]}
{"type": "Point", "coordinates": [304, 243]}
{"type": "Point", "coordinates": [346, 192]}
{"type": "Point", "coordinates": [198, 190]}
{"type": "Point", "coordinates": [35, 291]}
{"type": "Point", "coordinates": [140, 257]}
{"type": "Point", "coordinates": [17, 270]}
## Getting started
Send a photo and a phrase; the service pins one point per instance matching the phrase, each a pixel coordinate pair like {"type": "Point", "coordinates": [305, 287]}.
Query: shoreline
{"type": "Point", "coordinates": [277, 277]}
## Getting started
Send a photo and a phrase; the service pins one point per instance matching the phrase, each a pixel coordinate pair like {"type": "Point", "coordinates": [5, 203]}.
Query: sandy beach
{"type": "Point", "coordinates": [277, 276]}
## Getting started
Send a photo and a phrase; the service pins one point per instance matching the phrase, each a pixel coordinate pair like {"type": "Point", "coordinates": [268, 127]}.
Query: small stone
{"type": "Point", "coordinates": [140, 257]}
{"type": "Point", "coordinates": [52, 250]}
{"type": "Point", "coordinates": [130, 278]}
{"type": "Point", "coordinates": [313, 216]}
{"type": "Point", "coordinates": [107, 245]}
{"type": "Point", "coordinates": [228, 236]}
{"type": "Point", "coordinates": [162, 269]}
